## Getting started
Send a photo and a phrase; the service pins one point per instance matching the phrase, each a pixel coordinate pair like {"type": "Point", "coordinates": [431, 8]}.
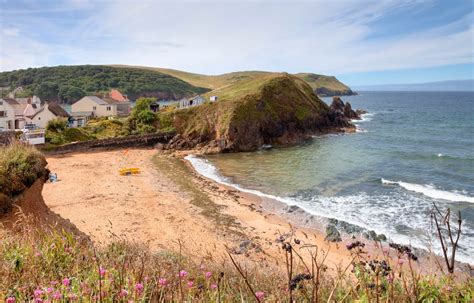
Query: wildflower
{"type": "Point", "coordinates": [299, 278]}
{"type": "Point", "coordinates": [38, 293]}
{"type": "Point", "coordinates": [123, 293]}
{"type": "Point", "coordinates": [213, 286]}
{"type": "Point", "coordinates": [183, 274]}
{"type": "Point", "coordinates": [139, 287]}
{"type": "Point", "coordinates": [208, 274]}
{"type": "Point", "coordinates": [73, 297]}
{"type": "Point", "coordinates": [54, 283]}
{"type": "Point", "coordinates": [49, 290]}
{"type": "Point", "coordinates": [401, 261]}
{"type": "Point", "coordinates": [102, 271]}
{"type": "Point", "coordinates": [190, 284]}
{"type": "Point", "coordinates": [37, 254]}
{"type": "Point", "coordinates": [57, 295]}
{"type": "Point", "coordinates": [202, 267]}
{"type": "Point", "coordinates": [39, 300]}
{"type": "Point", "coordinates": [390, 279]}
{"type": "Point", "coordinates": [11, 300]}
{"type": "Point", "coordinates": [66, 282]}
{"type": "Point", "coordinates": [163, 282]}
{"type": "Point", "coordinates": [260, 295]}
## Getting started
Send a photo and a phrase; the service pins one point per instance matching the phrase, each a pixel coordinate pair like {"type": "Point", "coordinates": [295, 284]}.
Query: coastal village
{"type": "Point", "coordinates": [31, 115]}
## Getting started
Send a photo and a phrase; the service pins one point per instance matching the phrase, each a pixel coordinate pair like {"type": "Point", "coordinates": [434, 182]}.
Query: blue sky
{"type": "Point", "coordinates": [361, 42]}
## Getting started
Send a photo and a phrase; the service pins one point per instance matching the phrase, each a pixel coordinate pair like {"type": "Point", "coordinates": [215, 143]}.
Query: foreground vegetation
{"type": "Point", "coordinates": [49, 265]}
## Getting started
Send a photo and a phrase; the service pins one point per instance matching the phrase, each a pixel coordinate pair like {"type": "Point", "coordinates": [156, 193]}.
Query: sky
{"type": "Point", "coordinates": [361, 42]}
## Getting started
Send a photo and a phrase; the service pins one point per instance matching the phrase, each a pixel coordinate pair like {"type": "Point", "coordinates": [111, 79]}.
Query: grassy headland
{"type": "Point", "coordinates": [321, 84]}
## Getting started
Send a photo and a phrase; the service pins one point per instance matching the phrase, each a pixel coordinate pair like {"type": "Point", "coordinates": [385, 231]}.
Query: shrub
{"type": "Point", "coordinates": [20, 167]}
{"type": "Point", "coordinates": [57, 125]}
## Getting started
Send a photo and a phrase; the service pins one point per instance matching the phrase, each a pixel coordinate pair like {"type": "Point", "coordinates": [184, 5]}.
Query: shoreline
{"type": "Point", "coordinates": [170, 201]}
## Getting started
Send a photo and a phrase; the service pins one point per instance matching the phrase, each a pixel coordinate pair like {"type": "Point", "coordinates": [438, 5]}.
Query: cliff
{"type": "Point", "coordinates": [274, 109]}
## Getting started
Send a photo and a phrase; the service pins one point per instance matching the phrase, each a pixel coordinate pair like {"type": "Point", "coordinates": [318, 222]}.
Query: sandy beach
{"type": "Point", "coordinates": [169, 202]}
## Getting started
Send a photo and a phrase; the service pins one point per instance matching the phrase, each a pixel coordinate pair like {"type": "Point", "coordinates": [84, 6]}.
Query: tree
{"type": "Point", "coordinates": [46, 91]}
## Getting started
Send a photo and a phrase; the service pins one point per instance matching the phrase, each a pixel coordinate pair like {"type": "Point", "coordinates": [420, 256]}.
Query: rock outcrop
{"type": "Point", "coordinates": [279, 109]}
{"type": "Point", "coordinates": [340, 110]}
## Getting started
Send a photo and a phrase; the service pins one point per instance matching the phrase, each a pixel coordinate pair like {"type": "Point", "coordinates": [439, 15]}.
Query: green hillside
{"type": "Point", "coordinates": [270, 109]}
{"type": "Point", "coordinates": [70, 83]}
{"type": "Point", "coordinates": [321, 84]}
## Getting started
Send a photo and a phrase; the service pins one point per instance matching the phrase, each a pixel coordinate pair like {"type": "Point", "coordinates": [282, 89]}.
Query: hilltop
{"type": "Point", "coordinates": [321, 84]}
{"type": "Point", "coordinates": [270, 109]}
{"type": "Point", "coordinates": [70, 83]}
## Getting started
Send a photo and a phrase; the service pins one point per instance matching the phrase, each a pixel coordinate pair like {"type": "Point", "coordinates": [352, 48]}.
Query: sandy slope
{"type": "Point", "coordinates": [167, 202]}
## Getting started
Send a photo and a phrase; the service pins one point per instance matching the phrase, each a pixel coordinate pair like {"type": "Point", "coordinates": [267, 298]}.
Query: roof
{"type": "Point", "coordinates": [94, 99]}
{"type": "Point", "coordinates": [112, 101]}
{"type": "Point", "coordinates": [57, 110]}
{"type": "Point", "coordinates": [117, 95]}
{"type": "Point", "coordinates": [10, 101]}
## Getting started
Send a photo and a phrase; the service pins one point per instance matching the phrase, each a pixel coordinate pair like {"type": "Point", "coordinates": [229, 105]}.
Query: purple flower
{"type": "Point", "coordinates": [190, 284]}
{"type": "Point", "coordinates": [183, 273]}
{"type": "Point", "coordinates": [38, 300]}
{"type": "Point", "coordinates": [208, 274]}
{"type": "Point", "coordinates": [139, 287]}
{"type": "Point", "coordinates": [123, 293]}
{"type": "Point", "coordinates": [11, 300]}
{"type": "Point", "coordinates": [102, 271]}
{"type": "Point", "coordinates": [163, 282]}
{"type": "Point", "coordinates": [38, 293]}
{"type": "Point", "coordinates": [57, 295]}
{"type": "Point", "coordinates": [66, 282]}
{"type": "Point", "coordinates": [260, 295]}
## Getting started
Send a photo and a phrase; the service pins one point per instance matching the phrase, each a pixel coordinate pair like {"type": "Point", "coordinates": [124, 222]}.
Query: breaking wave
{"type": "Point", "coordinates": [431, 191]}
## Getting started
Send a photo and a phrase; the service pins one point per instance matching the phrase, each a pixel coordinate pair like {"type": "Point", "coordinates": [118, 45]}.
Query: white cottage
{"type": "Point", "coordinates": [194, 101]}
{"type": "Point", "coordinates": [7, 114]}
{"type": "Point", "coordinates": [47, 113]}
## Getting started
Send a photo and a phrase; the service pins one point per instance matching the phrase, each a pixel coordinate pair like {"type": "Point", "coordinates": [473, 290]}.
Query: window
{"type": "Point", "coordinates": [94, 107]}
{"type": "Point", "coordinates": [39, 118]}
{"type": "Point", "coordinates": [3, 113]}
{"type": "Point", "coordinates": [109, 108]}
{"type": "Point", "coordinates": [1, 102]}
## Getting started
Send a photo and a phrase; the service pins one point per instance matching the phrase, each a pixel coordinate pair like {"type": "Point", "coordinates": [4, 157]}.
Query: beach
{"type": "Point", "coordinates": [168, 206]}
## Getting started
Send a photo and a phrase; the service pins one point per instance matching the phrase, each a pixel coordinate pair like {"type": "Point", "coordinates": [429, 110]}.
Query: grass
{"type": "Point", "coordinates": [51, 265]}
{"type": "Point", "coordinates": [20, 167]}
{"type": "Point", "coordinates": [220, 81]}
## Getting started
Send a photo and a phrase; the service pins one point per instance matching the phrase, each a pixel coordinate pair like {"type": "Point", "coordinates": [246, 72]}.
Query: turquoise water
{"type": "Point", "coordinates": [412, 149]}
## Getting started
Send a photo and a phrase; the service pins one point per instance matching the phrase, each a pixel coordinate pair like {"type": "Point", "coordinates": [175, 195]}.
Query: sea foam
{"type": "Point", "coordinates": [431, 191]}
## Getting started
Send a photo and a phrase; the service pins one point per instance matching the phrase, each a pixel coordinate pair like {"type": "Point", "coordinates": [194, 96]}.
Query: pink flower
{"type": "Point", "coordinates": [213, 286]}
{"type": "Point", "coordinates": [66, 282]}
{"type": "Point", "coordinates": [163, 282]}
{"type": "Point", "coordinates": [208, 274]}
{"type": "Point", "coordinates": [57, 295]}
{"type": "Point", "coordinates": [260, 295]}
{"type": "Point", "coordinates": [38, 293]}
{"type": "Point", "coordinates": [401, 261]}
{"type": "Point", "coordinates": [102, 271]}
{"type": "Point", "coordinates": [73, 297]}
{"type": "Point", "coordinates": [183, 273]}
{"type": "Point", "coordinates": [54, 283]}
{"type": "Point", "coordinates": [49, 290]}
{"type": "Point", "coordinates": [11, 300]}
{"type": "Point", "coordinates": [190, 284]}
{"type": "Point", "coordinates": [123, 293]}
{"type": "Point", "coordinates": [139, 287]}
{"type": "Point", "coordinates": [39, 300]}
{"type": "Point", "coordinates": [202, 267]}
{"type": "Point", "coordinates": [37, 254]}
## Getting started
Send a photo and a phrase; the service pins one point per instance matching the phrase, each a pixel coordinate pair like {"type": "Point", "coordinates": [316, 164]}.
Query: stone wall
{"type": "Point", "coordinates": [129, 141]}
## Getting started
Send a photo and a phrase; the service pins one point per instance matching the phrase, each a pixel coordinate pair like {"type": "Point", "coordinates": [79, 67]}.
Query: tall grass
{"type": "Point", "coordinates": [50, 265]}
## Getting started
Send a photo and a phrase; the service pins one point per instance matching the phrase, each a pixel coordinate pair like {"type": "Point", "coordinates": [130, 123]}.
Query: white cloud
{"type": "Point", "coordinates": [11, 31]}
{"type": "Point", "coordinates": [324, 37]}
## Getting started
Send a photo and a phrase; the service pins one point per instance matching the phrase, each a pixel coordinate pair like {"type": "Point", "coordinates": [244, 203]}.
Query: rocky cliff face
{"type": "Point", "coordinates": [279, 109]}
{"type": "Point", "coordinates": [341, 111]}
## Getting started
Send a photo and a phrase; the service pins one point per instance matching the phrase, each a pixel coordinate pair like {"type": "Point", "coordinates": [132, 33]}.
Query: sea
{"type": "Point", "coordinates": [411, 150]}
